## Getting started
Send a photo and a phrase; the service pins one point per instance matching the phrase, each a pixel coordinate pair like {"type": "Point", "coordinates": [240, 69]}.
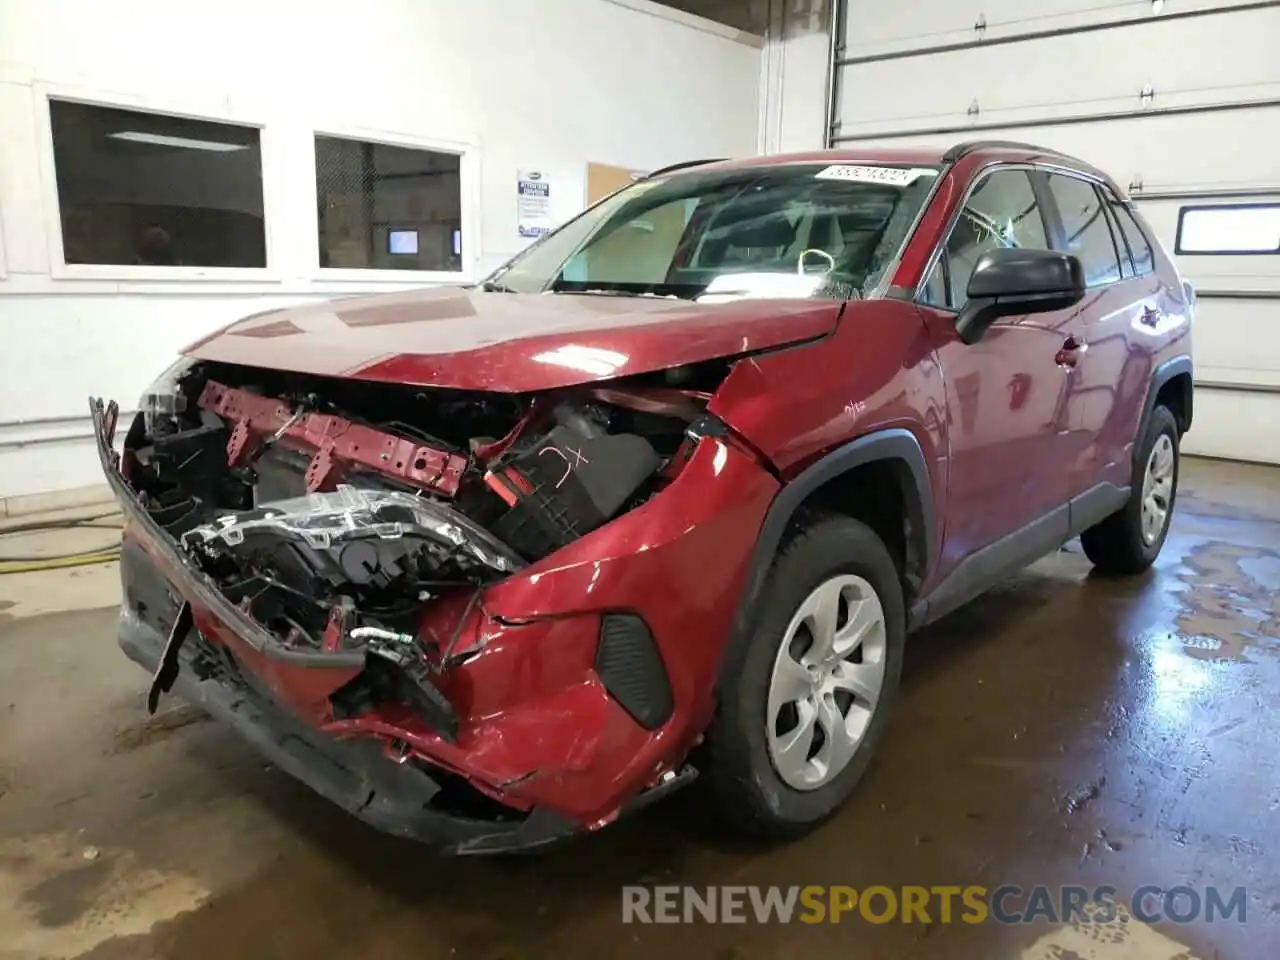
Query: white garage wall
{"type": "Point", "coordinates": [547, 85]}
{"type": "Point", "coordinates": [1071, 76]}
{"type": "Point", "coordinates": [795, 75]}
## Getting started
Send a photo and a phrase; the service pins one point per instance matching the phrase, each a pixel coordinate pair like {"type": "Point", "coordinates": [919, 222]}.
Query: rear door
{"type": "Point", "coordinates": [1096, 441]}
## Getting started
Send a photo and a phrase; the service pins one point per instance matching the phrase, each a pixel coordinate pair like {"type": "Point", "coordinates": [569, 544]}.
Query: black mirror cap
{"type": "Point", "coordinates": [1008, 283]}
{"type": "Point", "coordinates": [1005, 273]}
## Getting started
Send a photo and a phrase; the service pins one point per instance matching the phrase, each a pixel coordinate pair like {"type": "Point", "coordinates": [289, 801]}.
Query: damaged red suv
{"type": "Point", "coordinates": [489, 566]}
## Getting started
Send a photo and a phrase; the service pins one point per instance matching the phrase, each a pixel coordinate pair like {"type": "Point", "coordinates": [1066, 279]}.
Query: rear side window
{"type": "Point", "coordinates": [1139, 245]}
{"type": "Point", "coordinates": [1085, 229]}
{"type": "Point", "coordinates": [1000, 212]}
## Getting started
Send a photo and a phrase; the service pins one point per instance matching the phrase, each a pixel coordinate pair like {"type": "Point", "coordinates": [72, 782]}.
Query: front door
{"type": "Point", "coordinates": [1006, 394]}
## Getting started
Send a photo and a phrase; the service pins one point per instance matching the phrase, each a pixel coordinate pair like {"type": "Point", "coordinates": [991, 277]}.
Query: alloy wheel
{"type": "Point", "coordinates": [826, 682]}
{"type": "Point", "coordinates": [1157, 489]}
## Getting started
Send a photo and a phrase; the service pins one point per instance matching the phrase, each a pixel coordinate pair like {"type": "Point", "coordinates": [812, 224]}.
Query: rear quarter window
{"type": "Point", "coordinates": [1136, 238]}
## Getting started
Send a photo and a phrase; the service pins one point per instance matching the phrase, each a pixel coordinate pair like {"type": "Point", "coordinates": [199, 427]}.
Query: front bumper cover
{"type": "Point", "coordinates": [540, 731]}
{"type": "Point", "coordinates": [355, 774]}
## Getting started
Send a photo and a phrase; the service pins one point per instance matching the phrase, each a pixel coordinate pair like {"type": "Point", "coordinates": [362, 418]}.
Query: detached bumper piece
{"type": "Point", "coordinates": [357, 775]}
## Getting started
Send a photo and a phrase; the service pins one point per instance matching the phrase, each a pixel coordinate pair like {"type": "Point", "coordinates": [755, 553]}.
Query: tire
{"type": "Point", "coordinates": [824, 555]}
{"type": "Point", "coordinates": [1118, 544]}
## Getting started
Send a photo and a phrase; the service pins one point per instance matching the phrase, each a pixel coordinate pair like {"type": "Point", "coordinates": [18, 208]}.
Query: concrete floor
{"type": "Point", "coordinates": [1062, 729]}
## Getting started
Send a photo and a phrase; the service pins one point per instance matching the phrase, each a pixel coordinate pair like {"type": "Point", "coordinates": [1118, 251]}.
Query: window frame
{"type": "Point", "coordinates": [1048, 214]}
{"type": "Point", "coordinates": [468, 153]}
{"type": "Point", "coordinates": [1054, 230]}
{"type": "Point", "coordinates": [59, 269]}
{"type": "Point", "coordinates": [1128, 267]}
{"type": "Point", "coordinates": [1193, 207]}
{"type": "Point", "coordinates": [1114, 202]}
{"type": "Point", "coordinates": [1059, 238]}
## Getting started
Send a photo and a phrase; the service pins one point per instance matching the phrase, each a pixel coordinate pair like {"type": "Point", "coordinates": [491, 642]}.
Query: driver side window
{"type": "Point", "coordinates": [1001, 212]}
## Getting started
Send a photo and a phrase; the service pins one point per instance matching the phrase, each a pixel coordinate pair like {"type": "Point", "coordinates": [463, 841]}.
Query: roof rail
{"type": "Point", "coordinates": [681, 166]}
{"type": "Point", "coordinates": [973, 146]}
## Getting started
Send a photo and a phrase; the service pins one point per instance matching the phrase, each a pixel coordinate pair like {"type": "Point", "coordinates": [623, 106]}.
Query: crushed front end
{"type": "Point", "coordinates": [485, 621]}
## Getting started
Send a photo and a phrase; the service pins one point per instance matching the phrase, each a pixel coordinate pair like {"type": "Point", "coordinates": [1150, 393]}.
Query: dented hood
{"type": "Point", "coordinates": [468, 339]}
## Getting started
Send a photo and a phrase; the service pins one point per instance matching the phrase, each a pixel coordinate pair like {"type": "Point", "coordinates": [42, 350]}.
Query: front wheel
{"type": "Point", "coordinates": [805, 697]}
{"type": "Point", "coordinates": [1128, 541]}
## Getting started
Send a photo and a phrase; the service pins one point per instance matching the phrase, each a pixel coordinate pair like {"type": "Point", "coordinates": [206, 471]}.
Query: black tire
{"type": "Point", "coordinates": [1116, 546]}
{"type": "Point", "coordinates": [749, 793]}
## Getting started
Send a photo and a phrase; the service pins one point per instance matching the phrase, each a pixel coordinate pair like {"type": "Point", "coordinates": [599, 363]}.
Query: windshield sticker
{"type": "Point", "coordinates": [890, 176]}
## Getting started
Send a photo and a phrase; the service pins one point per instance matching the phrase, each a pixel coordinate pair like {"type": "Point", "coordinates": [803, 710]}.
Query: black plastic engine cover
{"type": "Point", "coordinates": [568, 485]}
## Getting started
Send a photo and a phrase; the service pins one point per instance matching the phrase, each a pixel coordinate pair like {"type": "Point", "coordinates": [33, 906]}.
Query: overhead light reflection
{"type": "Point", "coordinates": [1176, 680]}
{"type": "Point", "coordinates": [587, 359]}
{"type": "Point", "coordinates": [163, 140]}
{"type": "Point", "coordinates": [721, 458]}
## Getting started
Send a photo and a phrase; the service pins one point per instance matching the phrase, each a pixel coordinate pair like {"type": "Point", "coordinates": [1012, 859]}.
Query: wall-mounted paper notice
{"type": "Point", "coordinates": [533, 204]}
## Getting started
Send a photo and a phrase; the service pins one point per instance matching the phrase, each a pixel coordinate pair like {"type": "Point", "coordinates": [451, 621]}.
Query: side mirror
{"type": "Point", "coordinates": [1008, 283]}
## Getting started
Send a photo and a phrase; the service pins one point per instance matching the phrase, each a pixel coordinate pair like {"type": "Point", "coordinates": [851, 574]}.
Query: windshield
{"type": "Point", "coordinates": [794, 230]}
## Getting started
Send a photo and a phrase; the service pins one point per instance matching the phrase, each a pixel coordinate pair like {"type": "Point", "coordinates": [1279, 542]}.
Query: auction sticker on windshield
{"type": "Point", "coordinates": [890, 176]}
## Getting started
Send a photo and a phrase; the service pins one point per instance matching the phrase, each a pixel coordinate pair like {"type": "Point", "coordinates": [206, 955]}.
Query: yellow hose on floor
{"type": "Point", "coordinates": [59, 563]}
{"type": "Point", "coordinates": [107, 553]}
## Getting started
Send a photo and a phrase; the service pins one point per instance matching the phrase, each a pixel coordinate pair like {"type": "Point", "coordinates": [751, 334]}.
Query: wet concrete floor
{"type": "Point", "coordinates": [1063, 729]}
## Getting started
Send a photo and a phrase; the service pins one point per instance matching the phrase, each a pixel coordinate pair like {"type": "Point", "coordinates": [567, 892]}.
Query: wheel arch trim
{"type": "Point", "coordinates": [896, 444]}
{"type": "Point", "coordinates": [1161, 375]}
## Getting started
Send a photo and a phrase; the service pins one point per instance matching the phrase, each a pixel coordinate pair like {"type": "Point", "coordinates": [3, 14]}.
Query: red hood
{"type": "Point", "coordinates": [468, 339]}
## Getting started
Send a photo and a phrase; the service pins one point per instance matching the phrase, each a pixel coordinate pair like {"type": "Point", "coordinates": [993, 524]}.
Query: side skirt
{"type": "Point", "coordinates": [984, 568]}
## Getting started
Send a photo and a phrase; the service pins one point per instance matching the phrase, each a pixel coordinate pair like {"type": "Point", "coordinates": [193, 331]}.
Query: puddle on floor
{"type": "Point", "coordinates": [59, 899]}
{"type": "Point", "coordinates": [1231, 603]}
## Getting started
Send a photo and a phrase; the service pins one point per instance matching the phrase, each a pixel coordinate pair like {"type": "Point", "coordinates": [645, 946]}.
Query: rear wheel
{"type": "Point", "coordinates": [805, 697]}
{"type": "Point", "coordinates": [1128, 541]}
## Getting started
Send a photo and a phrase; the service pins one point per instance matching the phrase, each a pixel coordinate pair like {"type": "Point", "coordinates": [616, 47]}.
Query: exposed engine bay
{"type": "Point", "coordinates": [331, 511]}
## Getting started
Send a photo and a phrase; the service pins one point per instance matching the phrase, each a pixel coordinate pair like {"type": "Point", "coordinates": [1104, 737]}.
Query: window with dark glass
{"type": "Point", "coordinates": [1136, 239]}
{"type": "Point", "coordinates": [385, 207]}
{"type": "Point", "coordinates": [1001, 212]}
{"type": "Point", "coordinates": [1109, 205]}
{"type": "Point", "coordinates": [154, 190]}
{"type": "Point", "coordinates": [1087, 232]}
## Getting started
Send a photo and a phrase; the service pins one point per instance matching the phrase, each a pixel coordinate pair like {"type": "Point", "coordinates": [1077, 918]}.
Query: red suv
{"type": "Point", "coordinates": [663, 496]}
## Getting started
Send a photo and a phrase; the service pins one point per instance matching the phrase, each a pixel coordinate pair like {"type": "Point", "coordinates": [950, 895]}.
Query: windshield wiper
{"type": "Point", "coordinates": [662, 291]}
{"type": "Point", "coordinates": [490, 286]}
{"type": "Point", "coordinates": [603, 292]}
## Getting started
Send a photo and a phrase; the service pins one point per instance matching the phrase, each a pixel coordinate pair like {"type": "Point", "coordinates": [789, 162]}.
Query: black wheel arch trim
{"type": "Point", "coordinates": [1177, 366]}
{"type": "Point", "coordinates": [895, 444]}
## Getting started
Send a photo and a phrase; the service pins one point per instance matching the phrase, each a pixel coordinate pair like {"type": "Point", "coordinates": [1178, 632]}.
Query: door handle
{"type": "Point", "coordinates": [1070, 353]}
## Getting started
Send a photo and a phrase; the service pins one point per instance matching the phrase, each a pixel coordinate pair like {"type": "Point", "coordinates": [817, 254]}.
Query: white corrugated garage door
{"type": "Point", "coordinates": [1179, 101]}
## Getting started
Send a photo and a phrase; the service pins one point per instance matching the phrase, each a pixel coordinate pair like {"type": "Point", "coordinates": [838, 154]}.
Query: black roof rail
{"type": "Point", "coordinates": [684, 165]}
{"type": "Point", "coordinates": [973, 146]}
